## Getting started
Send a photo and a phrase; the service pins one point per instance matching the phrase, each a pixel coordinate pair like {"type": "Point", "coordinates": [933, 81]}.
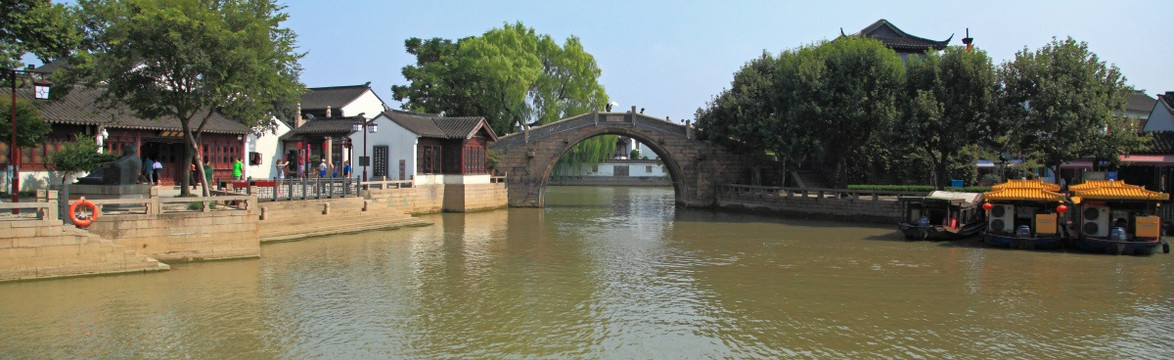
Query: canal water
{"type": "Point", "coordinates": [610, 273]}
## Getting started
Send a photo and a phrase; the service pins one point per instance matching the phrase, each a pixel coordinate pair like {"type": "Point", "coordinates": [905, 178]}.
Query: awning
{"type": "Point", "coordinates": [1148, 159]}
{"type": "Point", "coordinates": [1078, 164]}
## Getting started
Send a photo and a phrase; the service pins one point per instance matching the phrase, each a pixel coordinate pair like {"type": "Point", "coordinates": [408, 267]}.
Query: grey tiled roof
{"type": "Point", "coordinates": [80, 107]}
{"type": "Point", "coordinates": [331, 126]}
{"type": "Point", "coordinates": [1139, 103]}
{"type": "Point", "coordinates": [1161, 144]}
{"type": "Point", "coordinates": [899, 40]}
{"type": "Point", "coordinates": [430, 125]}
{"type": "Point", "coordinates": [334, 96]}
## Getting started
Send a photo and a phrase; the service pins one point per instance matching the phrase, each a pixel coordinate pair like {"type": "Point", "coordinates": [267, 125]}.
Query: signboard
{"type": "Point", "coordinates": [364, 160]}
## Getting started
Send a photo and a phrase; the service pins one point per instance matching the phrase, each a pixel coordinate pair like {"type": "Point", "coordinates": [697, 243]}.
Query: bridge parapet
{"type": "Point", "coordinates": [593, 119]}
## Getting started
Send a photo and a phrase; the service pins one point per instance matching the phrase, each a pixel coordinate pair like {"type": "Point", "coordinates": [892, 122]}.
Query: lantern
{"type": "Point", "coordinates": [1061, 209]}
{"type": "Point", "coordinates": [987, 206]}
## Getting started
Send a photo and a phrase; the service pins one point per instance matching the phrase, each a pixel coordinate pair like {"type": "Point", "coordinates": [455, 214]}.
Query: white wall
{"type": "Point", "coordinates": [635, 169]}
{"type": "Point", "coordinates": [367, 104]}
{"type": "Point", "coordinates": [1160, 119]}
{"type": "Point", "coordinates": [401, 145]}
{"type": "Point", "coordinates": [270, 148]}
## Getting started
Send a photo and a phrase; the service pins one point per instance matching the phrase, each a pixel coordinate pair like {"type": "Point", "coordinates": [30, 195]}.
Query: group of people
{"type": "Point", "coordinates": [153, 167]}
{"type": "Point", "coordinates": [283, 167]}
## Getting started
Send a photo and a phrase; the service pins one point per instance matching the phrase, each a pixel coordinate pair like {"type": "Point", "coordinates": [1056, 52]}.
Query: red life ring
{"type": "Point", "coordinates": [84, 220]}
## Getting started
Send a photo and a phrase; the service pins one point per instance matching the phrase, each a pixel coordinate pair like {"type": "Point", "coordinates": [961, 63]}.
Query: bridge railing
{"type": "Point", "coordinates": [731, 191]}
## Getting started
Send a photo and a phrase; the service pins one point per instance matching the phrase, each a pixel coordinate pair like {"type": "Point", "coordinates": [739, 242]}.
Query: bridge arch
{"type": "Point", "coordinates": [696, 167]}
{"type": "Point", "coordinates": [671, 164]}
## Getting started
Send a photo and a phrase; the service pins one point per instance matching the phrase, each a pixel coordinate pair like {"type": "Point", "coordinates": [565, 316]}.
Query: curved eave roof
{"type": "Point", "coordinates": [1027, 184]}
{"type": "Point", "coordinates": [1023, 194]}
{"type": "Point", "coordinates": [1116, 190]}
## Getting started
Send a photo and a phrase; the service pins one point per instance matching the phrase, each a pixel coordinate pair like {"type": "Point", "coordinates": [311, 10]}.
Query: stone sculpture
{"type": "Point", "coordinates": [124, 171]}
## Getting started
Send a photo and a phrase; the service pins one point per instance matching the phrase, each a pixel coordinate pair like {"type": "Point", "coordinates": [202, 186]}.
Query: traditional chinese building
{"type": "Point", "coordinates": [78, 113]}
{"type": "Point", "coordinates": [901, 42]}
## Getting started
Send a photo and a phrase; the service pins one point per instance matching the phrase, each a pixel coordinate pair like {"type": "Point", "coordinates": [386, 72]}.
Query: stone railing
{"type": "Point", "coordinates": [163, 205]}
{"type": "Point", "coordinates": [767, 192]}
{"type": "Point", "coordinates": [39, 210]}
{"type": "Point", "coordinates": [386, 184]}
{"type": "Point", "coordinates": [296, 189]}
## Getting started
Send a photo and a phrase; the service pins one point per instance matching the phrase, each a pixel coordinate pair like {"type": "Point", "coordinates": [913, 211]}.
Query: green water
{"type": "Point", "coordinates": [609, 273]}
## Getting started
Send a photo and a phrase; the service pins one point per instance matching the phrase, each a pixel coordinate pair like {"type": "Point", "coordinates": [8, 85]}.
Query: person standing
{"type": "Point", "coordinates": [192, 179]}
{"type": "Point", "coordinates": [237, 168]}
{"type": "Point", "coordinates": [155, 170]}
{"type": "Point", "coordinates": [322, 169]}
{"type": "Point", "coordinates": [346, 169]}
{"type": "Point", "coordinates": [148, 169]}
{"type": "Point", "coordinates": [281, 164]}
{"type": "Point", "coordinates": [208, 173]}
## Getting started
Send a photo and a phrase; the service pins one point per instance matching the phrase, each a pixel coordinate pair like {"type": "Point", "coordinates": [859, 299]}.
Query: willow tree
{"type": "Point", "coordinates": [1063, 102]}
{"type": "Point", "coordinates": [186, 59]}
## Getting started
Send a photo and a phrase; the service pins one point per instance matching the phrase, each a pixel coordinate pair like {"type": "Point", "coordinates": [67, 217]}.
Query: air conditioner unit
{"type": "Point", "coordinates": [1095, 221]}
{"type": "Point", "coordinates": [1001, 218]}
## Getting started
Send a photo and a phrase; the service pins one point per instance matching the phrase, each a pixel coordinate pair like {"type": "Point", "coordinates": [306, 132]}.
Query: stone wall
{"type": "Point", "coordinates": [475, 197]}
{"type": "Point", "coordinates": [298, 219]}
{"type": "Point", "coordinates": [428, 199]}
{"type": "Point", "coordinates": [40, 246]}
{"type": "Point", "coordinates": [610, 181]}
{"type": "Point", "coordinates": [421, 199]}
{"type": "Point", "coordinates": [184, 236]}
{"type": "Point", "coordinates": [821, 207]}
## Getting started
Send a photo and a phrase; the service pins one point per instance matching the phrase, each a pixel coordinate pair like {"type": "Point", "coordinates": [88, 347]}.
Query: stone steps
{"type": "Point", "coordinates": [307, 229]}
{"type": "Point", "coordinates": [63, 250]}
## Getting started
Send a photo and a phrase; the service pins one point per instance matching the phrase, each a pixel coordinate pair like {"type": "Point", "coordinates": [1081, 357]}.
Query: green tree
{"type": "Point", "coordinates": [951, 96]}
{"type": "Point", "coordinates": [186, 59]}
{"type": "Point", "coordinates": [512, 76]}
{"type": "Point", "coordinates": [30, 128]}
{"type": "Point", "coordinates": [850, 95]}
{"type": "Point", "coordinates": [39, 27]}
{"type": "Point", "coordinates": [77, 156]}
{"type": "Point", "coordinates": [1062, 102]}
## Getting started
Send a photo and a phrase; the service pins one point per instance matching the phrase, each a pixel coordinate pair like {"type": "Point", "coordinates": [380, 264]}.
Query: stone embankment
{"type": "Point", "coordinates": [830, 204]}
{"type": "Point", "coordinates": [297, 219]}
{"type": "Point", "coordinates": [37, 245]}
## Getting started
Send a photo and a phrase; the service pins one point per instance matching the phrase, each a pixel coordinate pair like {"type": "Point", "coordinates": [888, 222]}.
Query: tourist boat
{"type": "Point", "coordinates": [1025, 214]}
{"type": "Point", "coordinates": [943, 215]}
{"type": "Point", "coordinates": [1118, 218]}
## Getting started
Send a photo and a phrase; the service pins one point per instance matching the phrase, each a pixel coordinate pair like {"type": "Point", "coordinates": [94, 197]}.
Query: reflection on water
{"type": "Point", "coordinates": [609, 273]}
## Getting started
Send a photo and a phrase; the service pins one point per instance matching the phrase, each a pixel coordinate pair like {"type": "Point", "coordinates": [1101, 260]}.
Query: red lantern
{"type": "Point", "coordinates": [1061, 209]}
{"type": "Point", "coordinates": [987, 206]}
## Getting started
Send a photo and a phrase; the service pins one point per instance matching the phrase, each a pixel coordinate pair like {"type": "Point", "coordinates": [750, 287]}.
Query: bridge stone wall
{"type": "Point", "coordinates": [697, 168]}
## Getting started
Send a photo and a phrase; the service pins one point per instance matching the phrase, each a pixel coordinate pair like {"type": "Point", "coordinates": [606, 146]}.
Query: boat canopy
{"type": "Point", "coordinates": [965, 197]}
{"type": "Point", "coordinates": [1115, 190]}
{"type": "Point", "coordinates": [1028, 184]}
{"type": "Point", "coordinates": [1025, 190]}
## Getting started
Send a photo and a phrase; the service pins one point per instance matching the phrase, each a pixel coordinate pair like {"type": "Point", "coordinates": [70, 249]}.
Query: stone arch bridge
{"type": "Point", "coordinates": [697, 168]}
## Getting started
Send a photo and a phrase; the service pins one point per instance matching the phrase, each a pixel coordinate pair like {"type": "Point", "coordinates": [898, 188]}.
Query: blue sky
{"type": "Point", "coordinates": [670, 57]}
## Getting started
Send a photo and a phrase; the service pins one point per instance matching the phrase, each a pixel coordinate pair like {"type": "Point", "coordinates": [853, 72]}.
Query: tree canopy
{"type": "Point", "coordinates": [509, 75]}
{"type": "Point", "coordinates": [30, 128]}
{"type": "Point", "coordinates": [950, 105]}
{"type": "Point", "coordinates": [188, 58]}
{"type": "Point", "coordinates": [38, 27]}
{"type": "Point", "coordinates": [1063, 102]}
{"type": "Point", "coordinates": [831, 98]}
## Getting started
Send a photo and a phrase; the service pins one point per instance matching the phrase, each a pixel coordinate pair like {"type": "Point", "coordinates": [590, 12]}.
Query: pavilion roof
{"type": "Point", "coordinates": [1115, 190]}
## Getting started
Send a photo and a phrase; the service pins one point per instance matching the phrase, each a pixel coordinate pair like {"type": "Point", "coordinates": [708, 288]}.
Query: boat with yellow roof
{"type": "Point", "coordinates": [1118, 218]}
{"type": "Point", "coordinates": [1025, 214]}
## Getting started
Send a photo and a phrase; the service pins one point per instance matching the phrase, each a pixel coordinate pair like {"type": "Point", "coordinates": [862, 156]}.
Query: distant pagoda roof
{"type": "Point", "coordinates": [898, 40]}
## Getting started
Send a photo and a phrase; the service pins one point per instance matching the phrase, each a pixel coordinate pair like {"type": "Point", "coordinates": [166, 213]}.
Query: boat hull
{"type": "Point", "coordinates": [938, 232]}
{"type": "Point", "coordinates": [1016, 242]}
{"type": "Point", "coordinates": [1117, 247]}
